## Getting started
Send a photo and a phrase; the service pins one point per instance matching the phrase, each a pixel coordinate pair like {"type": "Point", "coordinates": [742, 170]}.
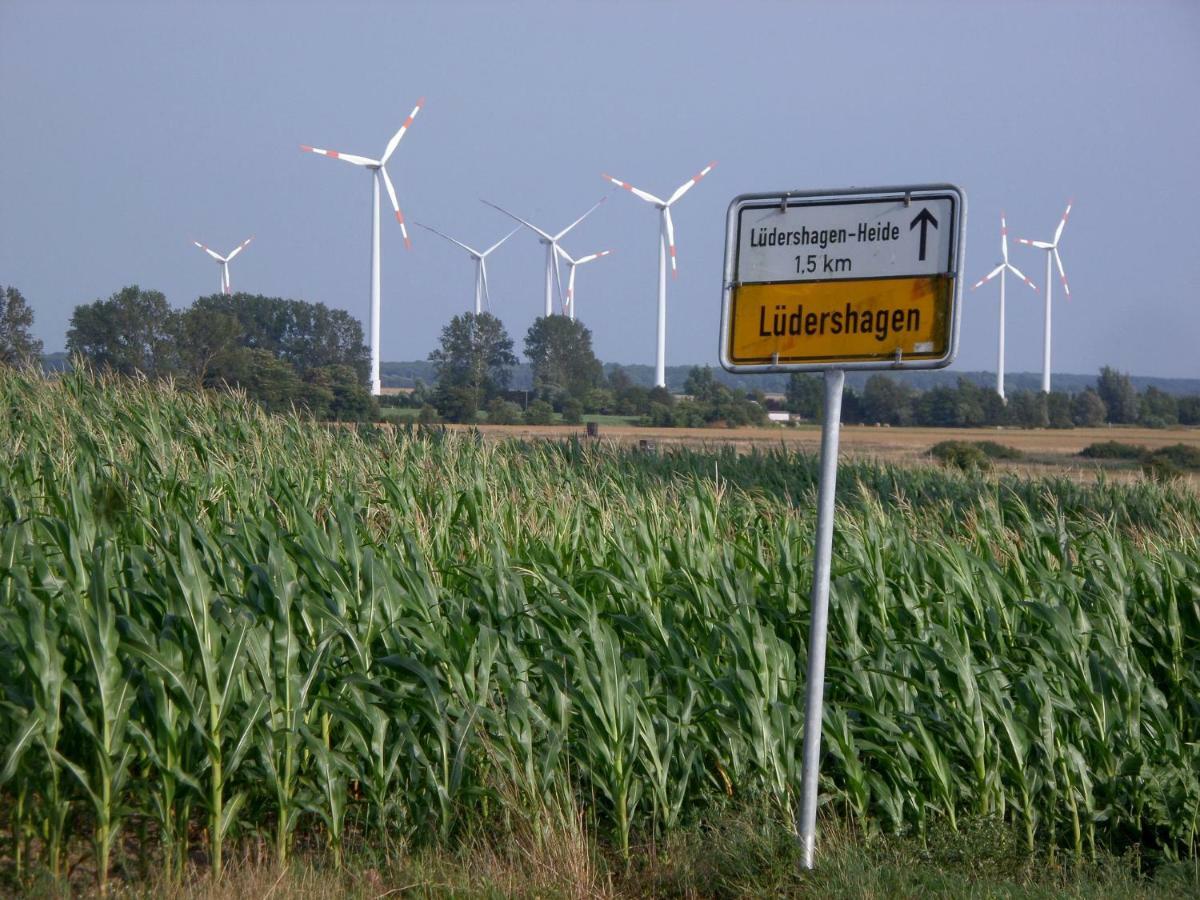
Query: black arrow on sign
{"type": "Point", "coordinates": [925, 219]}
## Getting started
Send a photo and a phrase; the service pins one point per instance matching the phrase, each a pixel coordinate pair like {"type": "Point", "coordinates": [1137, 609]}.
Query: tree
{"type": "Point", "coordinates": [540, 412]}
{"type": "Point", "coordinates": [201, 336]}
{"type": "Point", "coordinates": [1028, 409]}
{"type": "Point", "coordinates": [264, 377]}
{"type": "Point", "coordinates": [1087, 409]}
{"type": "Point", "coordinates": [1158, 409]}
{"type": "Point", "coordinates": [1120, 399]}
{"type": "Point", "coordinates": [17, 346]}
{"type": "Point", "coordinates": [306, 335]}
{"type": "Point", "coordinates": [348, 398]}
{"type": "Point", "coordinates": [473, 365]}
{"type": "Point", "coordinates": [1058, 410]}
{"type": "Point", "coordinates": [129, 333]}
{"type": "Point", "coordinates": [560, 353]}
{"type": "Point", "coordinates": [805, 395]}
{"type": "Point", "coordinates": [886, 401]}
{"type": "Point", "coordinates": [1189, 410]}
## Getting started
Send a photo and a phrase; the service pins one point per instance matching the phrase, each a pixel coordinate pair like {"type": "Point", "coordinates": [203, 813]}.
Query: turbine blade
{"type": "Point", "coordinates": [345, 157]}
{"type": "Point", "coordinates": [649, 198]}
{"type": "Point", "coordinates": [571, 291]}
{"type": "Point", "coordinates": [690, 183]}
{"type": "Point", "coordinates": [587, 259]}
{"type": "Point", "coordinates": [564, 254]}
{"type": "Point", "coordinates": [499, 242]}
{"type": "Point", "coordinates": [470, 250]}
{"type": "Point", "coordinates": [557, 275]}
{"type": "Point", "coordinates": [394, 142]}
{"type": "Point", "coordinates": [1041, 245]}
{"type": "Point", "coordinates": [670, 234]}
{"type": "Point", "coordinates": [1063, 223]}
{"type": "Point", "coordinates": [580, 219]}
{"type": "Point", "coordinates": [528, 225]}
{"type": "Point", "coordinates": [989, 276]}
{"type": "Point", "coordinates": [1021, 275]}
{"type": "Point", "coordinates": [240, 247]}
{"type": "Point", "coordinates": [214, 254]}
{"type": "Point", "coordinates": [396, 206]}
{"type": "Point", "coordinates": [1061, 274]}
{"type": "Point", "coordinates": [487, 297]}
{"type": "Point", "coordinates": [1003, 237]}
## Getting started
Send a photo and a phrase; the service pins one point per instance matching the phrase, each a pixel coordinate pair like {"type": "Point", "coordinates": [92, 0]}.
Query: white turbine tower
{"type": "Point", "coordinates": [1001, 270]}
{"type": "Point", "coordinates": [224, 260]}
{"type": "Point", "coordinates": [550, 241]}
{"type": "Point", "coordinates": [1051, 248]}
{"type": "Point", "coordinates": [481, 283]}
{"type": "Point", "coordinates": [378, 171]}
{"type": "Point", "coordinates": [572, 264]}
{"type": "Point", "coordinates": [666, 244]}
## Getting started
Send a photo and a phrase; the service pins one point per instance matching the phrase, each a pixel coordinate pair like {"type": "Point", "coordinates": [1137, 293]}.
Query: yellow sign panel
{"type": "Point", "coordinates": [860, 320]}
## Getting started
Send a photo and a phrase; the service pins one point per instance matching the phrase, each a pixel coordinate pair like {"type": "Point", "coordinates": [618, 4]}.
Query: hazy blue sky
{"type": "Point", "coordinates": [128, 129]}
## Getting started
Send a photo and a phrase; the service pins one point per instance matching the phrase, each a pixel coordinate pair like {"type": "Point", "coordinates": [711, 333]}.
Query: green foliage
{"type": "Point", "coordinates": [710, 403]}
{"type": "Point", "coordinates": [805, 395]}
{"type": "Point", "coordinates": [539, 413]}
{"type": "Point", "coordinates": [130, 333]}
{"type": "Point", "coordinates": [560, 351]}
{"type": "Point", "coordinates": [1113, 450]}
{"type": "Point", "coordinates": [1088, 410]}
{"type": "Point", "coordinates": [216, 623]}
{"type": "Point", "coordinates": [572, 412]}
{"type": "Point", "coordinates": [17, 346]}
{"type": "Point", "coordinates": [963, 455]}
{"type": "Point", "coordinates": [502, 412]}
{"type": "Point", "coordinates": [474, 364]}
{"type": "Point", "coordinates": [1119, 396]}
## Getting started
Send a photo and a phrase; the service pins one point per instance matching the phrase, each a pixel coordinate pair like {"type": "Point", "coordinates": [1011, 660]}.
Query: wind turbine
{"type": "Point", "coordinates": [224, 260]}
{"type": "Point", "coordinates": [378, 171]}
{"type": "Point", "coordinates": [1051, 248]}
{"type": "Point", "coordinates": [480, 257]}
{"type": "Point", "coordinates": [569, 305]}
{"type": "Point", "coordinates": [666, 241]}
{"type": "Point", "coordinates": [1001, 270]}
{"type": "Point", "coordinates": [550, 241]}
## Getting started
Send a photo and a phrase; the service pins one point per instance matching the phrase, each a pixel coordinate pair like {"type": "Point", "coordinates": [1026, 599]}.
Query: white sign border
{"type": "Point", "coordinates": [778, 199]}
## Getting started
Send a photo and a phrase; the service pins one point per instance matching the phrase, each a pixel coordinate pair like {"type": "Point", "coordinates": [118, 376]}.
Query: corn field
{"type": "Point", "coordinates": [218, 626]}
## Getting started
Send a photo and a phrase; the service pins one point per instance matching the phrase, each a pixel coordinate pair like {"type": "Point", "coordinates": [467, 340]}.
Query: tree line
{"type": "Point", "coordinates": [285, 354]}
{"type": "Point", "coordinates": [889, 401]}
{"type": "Point", "coordinates": [473, 369]}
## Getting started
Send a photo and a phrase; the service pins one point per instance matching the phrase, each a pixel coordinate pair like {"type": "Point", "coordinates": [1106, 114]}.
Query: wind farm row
{"type": "Point", "coordinates": [555, 254]}
{"type": "Point", "coordinates": [1004, 267]}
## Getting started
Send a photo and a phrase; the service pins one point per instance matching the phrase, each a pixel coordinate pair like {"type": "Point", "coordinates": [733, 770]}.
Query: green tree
{"type": "Point", "coordinates": [887, 401]}
{"type": "Point", "coordinates": [201, 336]}
{"type": "Point", "coordinates": [1120, 399]}
{"type": "Point", "coordinates": [264, 377]}
{"type": "Point", "coordinates": [17, 346]}
{"type": "Point", "coordinates": [1028, 409]}
{"type": "Point", "coordinates": [805, 395]}
{"type": "Point", "coordinates": [1157, 408]}
{"type": "Point", "coordinates": [473, 364]}
{"type": "Point", "coordinates": [306, 335]}
{"type": "Point", "coordinates": [539, 413]}
{"type": "Point", "coordinates": [348, 398]}
{"type": "Point", "coordinates": [130, 332]}
{"type": "Point", "coordinates": [1189, 410]}
{"type": "Point", "coordinates": [1087, 409]}
{"type": "Point", "coordinates": [560, 352]}
{"type": "Point", "coordinates": [1058, 410]}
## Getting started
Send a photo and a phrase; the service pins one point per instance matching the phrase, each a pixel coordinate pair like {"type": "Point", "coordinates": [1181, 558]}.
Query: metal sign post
{"type": "Point", "coordinates": [828, 281]}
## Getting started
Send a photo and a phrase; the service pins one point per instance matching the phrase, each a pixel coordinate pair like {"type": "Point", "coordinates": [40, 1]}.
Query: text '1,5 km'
{"type": "Point", "coordinates": [852, 279]}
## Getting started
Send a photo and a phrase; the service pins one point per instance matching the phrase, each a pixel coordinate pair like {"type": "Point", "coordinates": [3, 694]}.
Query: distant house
{"type": "Point", "coordinates": [781, 417]}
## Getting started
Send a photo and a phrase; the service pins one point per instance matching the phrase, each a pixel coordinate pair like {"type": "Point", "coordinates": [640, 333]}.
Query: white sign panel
{"type": "Point", "coordinates": [856, 239]}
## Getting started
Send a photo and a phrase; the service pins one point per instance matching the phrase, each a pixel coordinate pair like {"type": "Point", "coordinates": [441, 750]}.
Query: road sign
{"type": "Point", "coordinates": [853, 279]}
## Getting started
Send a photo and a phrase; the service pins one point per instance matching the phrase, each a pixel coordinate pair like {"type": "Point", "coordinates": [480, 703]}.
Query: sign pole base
{"type": "Point", "coordinates": [814, 689]}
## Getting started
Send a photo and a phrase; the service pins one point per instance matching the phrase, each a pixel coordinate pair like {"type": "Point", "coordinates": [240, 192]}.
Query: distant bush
{"type": "Point", "coordinates": [428, 415]}
{"type": "Point", "coordinates": [963, 455]}
{"type": "Point", "coordinates": [502, 412]}
{"type": "Point", "coordinates": [1182, 456]}
{"type": "Point", "coordinates": [1113, 450]}
{"type": "Point", "coordinates": [999, 451]}
{"type": "Point", "coordinates": [572, 412]}
{"type": "Point", "coordinates": [539, 413]}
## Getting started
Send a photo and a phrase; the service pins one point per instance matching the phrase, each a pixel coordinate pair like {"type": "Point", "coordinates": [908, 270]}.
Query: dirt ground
{"type": "Point", "coordinates": [1044, 448]}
